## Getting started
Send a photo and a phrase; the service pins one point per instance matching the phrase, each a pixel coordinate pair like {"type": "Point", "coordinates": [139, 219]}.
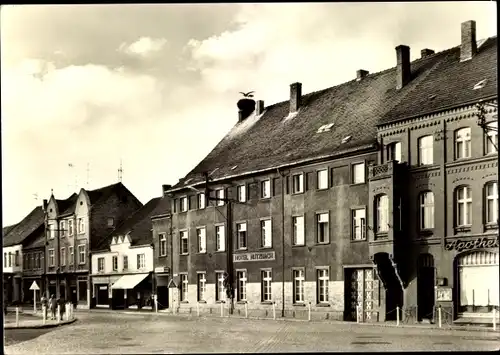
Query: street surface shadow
{"type": "Point", "coordinates": [370, 343]}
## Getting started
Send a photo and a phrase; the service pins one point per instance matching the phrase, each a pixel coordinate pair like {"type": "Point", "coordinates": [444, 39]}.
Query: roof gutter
{"type": "Point", "coordinates": [309, 160]}
{"type": "Point", "coordinates": [446, 108]}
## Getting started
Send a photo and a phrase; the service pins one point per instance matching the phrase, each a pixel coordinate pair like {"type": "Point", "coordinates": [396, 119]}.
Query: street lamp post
{"type": "Point", "coordinates": [481, 120]}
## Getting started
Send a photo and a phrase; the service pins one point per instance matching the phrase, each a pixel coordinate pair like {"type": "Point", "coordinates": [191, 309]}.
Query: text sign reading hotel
{"type": "Point", "coordinates": [460, 245]}
{"type": "Point", "coordinates": [258, 256]}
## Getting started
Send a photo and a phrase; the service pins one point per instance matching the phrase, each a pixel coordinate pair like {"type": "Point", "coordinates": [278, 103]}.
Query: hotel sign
{"type": "Point", "coordinates": [258, 256]}
{"type": "Point", "coordinates": [461, 245]}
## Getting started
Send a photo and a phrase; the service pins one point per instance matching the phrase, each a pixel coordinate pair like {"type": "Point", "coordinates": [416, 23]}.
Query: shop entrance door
{"type": "Point", "coordinates": [425, 287]}
{"type": "Point", "coordinates": [364, 292]}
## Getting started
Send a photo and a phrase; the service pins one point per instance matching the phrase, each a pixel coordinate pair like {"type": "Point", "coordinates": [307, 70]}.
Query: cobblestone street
{"type": "Point", "coordinates": [148, 333]}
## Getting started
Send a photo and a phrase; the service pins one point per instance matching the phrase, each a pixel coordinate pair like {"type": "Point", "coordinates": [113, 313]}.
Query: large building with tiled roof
{"type": "Point", "coordinates": [75, 228]}
{"type": "Point", "coordinates": [373, 195]}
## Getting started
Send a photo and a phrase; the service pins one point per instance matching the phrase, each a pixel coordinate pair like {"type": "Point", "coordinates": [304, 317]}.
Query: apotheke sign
{"type": "Point", "coordinates": [258, 256]}
{"type": "Point", "coordinates": [460, 245]}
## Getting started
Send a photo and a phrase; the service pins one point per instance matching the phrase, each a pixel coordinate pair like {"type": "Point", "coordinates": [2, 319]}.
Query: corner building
{"type": "Point", "coordinates": [322, 199]}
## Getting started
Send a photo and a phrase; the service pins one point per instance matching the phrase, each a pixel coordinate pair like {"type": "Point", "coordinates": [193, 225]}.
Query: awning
{"type": "Point", "coordinates": [127, 282]}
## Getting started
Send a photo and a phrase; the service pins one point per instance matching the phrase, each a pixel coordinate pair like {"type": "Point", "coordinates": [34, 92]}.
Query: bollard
{"type": "Point", "coordinates": [221, 309]}
{"type": "Point", "coordinates": [156, 305]}
{"type": "Point", "coordinates": [58, 315]}
{"type": "Point", "coordinates": [439, 316]}
{"type": "Point", "coordinates": [309, 315]}
{"type": "Point", "coordinates": [357, 314]}
{"type": "Point", "coordinates": [198, 309]}
{"type": "Point", "coordinates": [397, 316]}
{"type": "Point", "coordinates": [274, 310]}
{"type": "Point", "coordinates": [17, 316]}
{"type": "Point", "coordinates": [246, 310]}
{"type": "Point", "coordinates": [494, 319]}
{"type": "Point", "coordinates": [44, 314]}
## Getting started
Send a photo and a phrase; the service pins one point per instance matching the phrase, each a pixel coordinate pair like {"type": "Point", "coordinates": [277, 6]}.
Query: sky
{"type": "Point", "coordinates": [155, 86]}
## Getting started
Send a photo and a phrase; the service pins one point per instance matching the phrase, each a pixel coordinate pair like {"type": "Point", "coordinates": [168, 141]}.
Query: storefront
{"type": "Point", "coordinates": [362, 294]}
{"type": "Point", "coordinates": [102, 295]}
{"type": "Point", "coordinates": [135, 290]}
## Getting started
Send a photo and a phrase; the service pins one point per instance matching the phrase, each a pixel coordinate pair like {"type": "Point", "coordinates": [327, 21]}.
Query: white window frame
{"type": "Point", "coordinates": [491, 208]}
{"type": "Point", "coordinates": [114, 261]}
{"type": "Point", "coordinates": [163, 244]}
{"type": "Point", "coordinates": [81, 251]}
{"type": "Point", "coordinates": [359, 173]}
{"type": "Point", "coordinates": [183, 204]}
{"type": "Point", "coordinates": [241, 282]}
{"type": "Point", "coordinates": [241, 229]}
{"type": "Point", "coordinates": [220, 290]}
{"type": "Point", "coordinates": [298, 183]}
{"type": "Point", "coordinates": [125, 262]}
{"type": "Point", "coordinates": [322, 285]}
{"type": "Point", "coordinates": [52, 258]}
{"type": "Point", "coordinates": [265, 188]}
{"type": "Point", "coordinates": [320, 221]}
{"type": "Point", "coordinates": [184, 287]}
{"type": "Point", "coordinates": [81, 226]}
{"type": "Point", "coordinates": [241, 191]}
{"type": "Point", "coordinates": [202, 201]}
{"type": "Point", "coordinates": [382, 213]}
{"type": "Point", "coordinates": [141, 261]}
{"type": "Point", "coordinates": [201, 235]}
{"type": "Point", "coordinates": [219, 194]}
{"type": "Point", "coordinates": [322, 179]}
{"type": "Point", "coordinates": [299, 278]}
{"type": "Point", "coordinates": [220, 237]}
{"type": "Point", "coordinates": [63, 256]}
{"type": "Point", "coordinates": [426, 150]}
{"type": "Point", "coordinates": [463, 143]}
{"type": "Point", "coordinates": [358, 223]}
{"type": "Point", "coordinates": [183, 235]}
{"type": "Point", "coordinates": [491, 137]}
{"type": "Point", "coordinates": [71, 252]}
{"type": "Point", "coordinates": [266, 280]}
{"type": "Point", "coordinates": [70, 227]}
{"type": "Point", "coordinates": [299, 230]}
{"type": "Point", "coordinates": [426, 200]}
{"type": "Point", "coordinates": [394, 151]}
{"type": "Point", "coordinates": [464, 205]}
{"type": "Point", "coordinates": [62, 228]}
{"type": "Point", "coordinates": [100, 264]}
{"type": "Point", "coordinates": [52, 231]}
{"type": "Point", "coordinates": [266, 233]}
{"type": "Point", "coordinates": [202, 286]}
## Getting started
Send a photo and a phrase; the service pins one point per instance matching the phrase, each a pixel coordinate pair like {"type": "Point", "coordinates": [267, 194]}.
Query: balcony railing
{"type": "Point", "coordinates": [382, 170]}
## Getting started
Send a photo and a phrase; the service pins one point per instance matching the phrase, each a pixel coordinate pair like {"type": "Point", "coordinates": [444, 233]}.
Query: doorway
{"type": "Point", "coordinates": [118, 299]}
{"type": "Point", "coordinates": [426, 281]}
{"type": "Point", "coordinates": [162, 297]}
{"type": "Point", "coordinates": [102, 295]}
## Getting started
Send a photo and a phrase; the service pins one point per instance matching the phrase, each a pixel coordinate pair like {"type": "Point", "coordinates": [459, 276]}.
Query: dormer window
{"type": "Point", "coordinates": [325, 127]}
{"type": "Point", "coordinates": [111, 222]}
{"type": "Point", "coordinates": [346, 139]}
{"type": "Point", "coordinates": [480, 85]}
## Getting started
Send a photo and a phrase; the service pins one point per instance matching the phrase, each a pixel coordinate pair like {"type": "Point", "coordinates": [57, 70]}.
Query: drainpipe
{"type": "Point", "coordinates": [282, 241]}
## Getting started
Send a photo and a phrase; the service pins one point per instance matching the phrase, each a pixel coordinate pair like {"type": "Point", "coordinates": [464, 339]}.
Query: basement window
{"type": "Point", "coordinates": [325, 127]}
{"type": "Point", "coordinates": [480, 85]}
{"type": "Point", "coordinates": [346, 139]}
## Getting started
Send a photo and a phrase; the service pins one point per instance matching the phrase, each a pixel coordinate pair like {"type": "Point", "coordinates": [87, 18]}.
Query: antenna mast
{"type": "Point", "coordinates": [120, 172]}
{"type": "Point", "coordinates": [88, 174]}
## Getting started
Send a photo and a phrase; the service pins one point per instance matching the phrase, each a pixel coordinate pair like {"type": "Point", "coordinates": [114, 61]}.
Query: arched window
{"type": "Point", "coordinates": [491, 208]}
{"type": "Point", "coordinates": [426, 210]}
{"type": "Point", "coordinates": [462, 143]}
{"type": "Point", "coordinates": [491, 143]}
{"type": "Point", "coordinates": [463, 201]}
{"type": "Point", "coordinates": [382, 211]}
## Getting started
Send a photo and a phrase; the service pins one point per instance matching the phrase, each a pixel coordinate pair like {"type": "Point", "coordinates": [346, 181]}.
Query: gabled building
{"type": "Point", "coordinates": [313, 200]}
{"type": "Point", "coordinates": [122, 268]}
{"type": "Point", "coordinates": [76, 226]}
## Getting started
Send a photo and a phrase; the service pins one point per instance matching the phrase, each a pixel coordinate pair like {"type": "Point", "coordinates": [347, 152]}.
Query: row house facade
{"type": "Point", "coordinates": [122, 268]}
{"type": "Point", "coordinates": [75, 227]}
{"type": "Point", "coordinates": [371, 195]}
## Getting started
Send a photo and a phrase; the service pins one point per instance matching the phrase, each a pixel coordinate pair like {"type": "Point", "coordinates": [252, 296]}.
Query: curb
{"type": "Point", "coordinates": [41, 326]}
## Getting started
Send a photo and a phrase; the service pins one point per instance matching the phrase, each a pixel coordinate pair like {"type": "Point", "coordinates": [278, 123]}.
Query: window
{"type": "Point", "coordinates": [219, 286]}
{"type": "Point", "coordinates": [70, 227]}
{"type": "Point", "coordinates": [242, 235]}
{"type": "Point", "coordinates": [62, 228]}
{"type": "Point", "coordinates": [220, 238]}
{"type": "Point", "coordinates": [322, 228]}
{"type": "Point", "coordinates": [4, 259]}
{"type": "Point", "coordinates": [52, 258]}
{"type": "Point", "coordinates": [492, 203]}
{"type": "Point", "coordinates": [358, 173]}
{"type": "Point", "coordinates": [100, 264]}
{"type": "Point", "coordinates": [266, 234]}
{"type": "Point", "coordinates": [125, 262]}
{"type": "Point", "coordinates": [81, 254]}
{"type": "Point", "coordinates": [201, 201]}
{"type": "Point", "coordinates": [51, 231]}
{"type": "Point", "coordinates": [322, 179]}
{"type": "Point", "coordinates": [241, 277]}
{"type": "Point", "coordinates": [184, 287]}
{"type": "Point", "coordinates": [242, 193]}
{"type": "Point", "coordinates": [298, 230]}
{"type": "Point", "coordinates": [115, 263]}
{"type": "Point", "coordinates": [322, 285]}
{"type": "Point", "coordinates": [382, 211]}
{"type": "Point", "coordinates": [202, 286]}
{"type": "Point", "coordinates": [426, 210]}
{"type": "Point", "coordinates": [16, 258]}
{"type": "Point", "coordinates": [492, 138]}
{"type": "Point", "coordinates": [425, 150]}
{"type": "Point", "coordinates": [266, 280]}
{"type": "Point", "coordinates": [71, 253]}
{"type": "Point", "coordinates": [298, 183]}
{"type": "Point", "coordinates": [163, 244]}
{"type": "Point", "coordinates": [63, 256]}
{"type": "Point", "coordinates": [111, 221]}
{"type": "Point", "coordinates": [219, 194]}
{"type": "Point", "coordinates": [38, 261]}
{"type": "Point", "coordinates": [81, 225]}
{"type": "Point", "coordinates": [141, 261]}
{"type": "Point", "coordinates": [462, 143]}
{"type": "Point", "coordinates": [265, 189]}
{"type": "Point", "coordinates": [359, 224]}
{"type": "Point", "coordinates": [394, 151]}
{"type": "Point", "coordinates": [298, 286]}
{"type": "Point", "coordinates": [202, 240]}
{"type": "Point", "coordinates": [10, 259]}
{"type": "Point", "coordinates": [183, 204]}
{"type": "Point", "coordinates": [464, 206]}
{"type": "Point", "coordinates": [184, 246]}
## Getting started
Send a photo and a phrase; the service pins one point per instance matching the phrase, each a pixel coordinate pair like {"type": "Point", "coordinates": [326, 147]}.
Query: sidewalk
{"type": "Point", "coordinates": [35, 323]}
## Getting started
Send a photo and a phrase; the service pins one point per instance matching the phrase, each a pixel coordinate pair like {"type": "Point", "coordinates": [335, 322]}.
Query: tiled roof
{"type": "Point", "coordinates": [7, 229]}
{"type": "Point", "coordinates": [355, 108]}
{"type": "Point", "coordinates": [38, 241]}
{"type": "Point", "coordinates": [138, 225]}
{"type": "Point", "coordinates": [25, 228]}
{"type": "Point", "coordinates": [67, 206]}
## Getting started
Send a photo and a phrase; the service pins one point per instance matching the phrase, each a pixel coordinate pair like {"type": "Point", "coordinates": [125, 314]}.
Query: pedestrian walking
{"type": "Point", "coordinates": [44, 305]}
{"type": "Point", "coordinates": [60, 302]}
{"type": "Point", "coordinates": [53, 306]}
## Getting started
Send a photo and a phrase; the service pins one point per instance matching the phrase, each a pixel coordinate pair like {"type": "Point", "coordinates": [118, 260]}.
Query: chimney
{"type": "Point", "coordinates": [360, 74]}
{"type": "Point", "coordinates": [259, 109]}
{"type": "Point", "coordinates": [240, 116]}
{"type": "Point", "coordinates": [426, 52]}
{"type": "Point", "coordinates": [44, 206]}
{"type": "Point", "coordinates": [469, 45]}
{"type": "Point", "coordinates": [403, 72]}
{"type": "Point", "coordinates": [295, 96]}
{"type": "Point", "coordinates": [165, 188]}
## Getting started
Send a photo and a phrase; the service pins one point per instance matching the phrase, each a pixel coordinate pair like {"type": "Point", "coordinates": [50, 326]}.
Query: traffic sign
{"type": "Point", "coordinates": [172, 284]}
{"type": "Point", "coordinates": [34, 286]}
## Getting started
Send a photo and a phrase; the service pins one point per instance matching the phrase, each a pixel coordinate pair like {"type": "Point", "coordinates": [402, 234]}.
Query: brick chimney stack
{"type": "Point", "coordinates": [295, 97]}
{"type": "Point", "coordinates": [360, 74]}
{"type": "Point", "coordinates": [426, 52]}
{"type": "Point", "coordinates": [165, 188]}
{"type": "Point", "coordinates": [469, 45]}
{"type": "Point", "coordinates": [259, 109]}
{"type": "Point", "coordinates": [403, 72]}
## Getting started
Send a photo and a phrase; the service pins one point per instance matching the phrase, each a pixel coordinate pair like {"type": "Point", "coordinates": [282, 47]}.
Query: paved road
{"type": "Point", "coordinates": [149, 333]}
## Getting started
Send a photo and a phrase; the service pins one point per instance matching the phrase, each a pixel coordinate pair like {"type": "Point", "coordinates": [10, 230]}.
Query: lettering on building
{"type": "Point", "coordinates": [258, 256]}
{"type": "Point", "coordinates": [461, 245]}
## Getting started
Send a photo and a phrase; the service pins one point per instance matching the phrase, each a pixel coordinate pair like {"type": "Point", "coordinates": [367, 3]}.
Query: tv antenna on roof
{"type": "Point", "coordinates": [120, 172]}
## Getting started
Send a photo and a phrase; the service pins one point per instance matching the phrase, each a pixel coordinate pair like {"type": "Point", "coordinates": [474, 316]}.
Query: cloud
{"type": "Point", "coordinates": [144, 46]}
